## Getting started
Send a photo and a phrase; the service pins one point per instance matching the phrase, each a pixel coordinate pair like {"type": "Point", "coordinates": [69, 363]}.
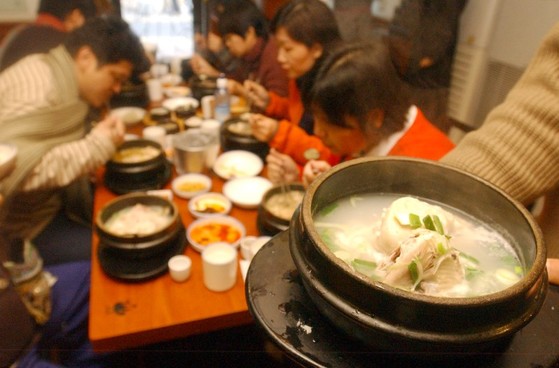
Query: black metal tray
{"type": "Point", "coordinates": [280, 305]}
{"type": "Point", "coordinates": [139, 269]}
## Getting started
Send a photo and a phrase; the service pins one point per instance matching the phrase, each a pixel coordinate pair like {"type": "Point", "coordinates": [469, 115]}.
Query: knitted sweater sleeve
{"type": "Point", "coordinates": [517, 147]}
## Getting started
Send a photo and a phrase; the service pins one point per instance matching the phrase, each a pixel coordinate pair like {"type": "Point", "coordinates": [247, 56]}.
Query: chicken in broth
{"type": "Point", "coordinates": [139, 220]}
{"type": "Point", "coordinates": [417, 246]}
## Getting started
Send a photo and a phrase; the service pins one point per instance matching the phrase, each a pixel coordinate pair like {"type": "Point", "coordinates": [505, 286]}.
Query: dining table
{"type": "Point", "coordinates": [127, 314]}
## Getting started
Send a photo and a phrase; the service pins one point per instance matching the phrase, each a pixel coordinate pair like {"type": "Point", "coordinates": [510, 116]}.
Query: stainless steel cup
{"type": "Point", "coordinates": [191, 149]}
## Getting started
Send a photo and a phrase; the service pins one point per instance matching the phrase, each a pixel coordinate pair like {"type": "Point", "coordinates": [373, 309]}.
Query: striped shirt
{"type": "Point", "coordinates": [28, 86]}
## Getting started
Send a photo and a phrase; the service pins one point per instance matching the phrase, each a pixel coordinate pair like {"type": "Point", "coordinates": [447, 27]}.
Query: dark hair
{"type": "Point", "coordinates": [61, 8]}
{"type": "Point", "coordinates": [356, 79]}
{"type": "Point", "coordinates": [238, 19]}
{"type": "Point", "coordinates": [111, 40]}
{"type": "Point", "coordinates": [309, 22]}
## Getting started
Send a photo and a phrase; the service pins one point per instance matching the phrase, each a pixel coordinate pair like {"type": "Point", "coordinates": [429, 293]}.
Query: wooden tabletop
{"type": "Point", "coordinates": [125, 315]}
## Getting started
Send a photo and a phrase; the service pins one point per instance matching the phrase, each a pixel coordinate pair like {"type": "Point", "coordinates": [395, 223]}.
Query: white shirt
{"type": "Point", "coordinates": [389, 142]}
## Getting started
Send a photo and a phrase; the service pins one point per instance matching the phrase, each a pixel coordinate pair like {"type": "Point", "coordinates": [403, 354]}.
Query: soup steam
{"type": "Point", "coordinates": [417, 246]}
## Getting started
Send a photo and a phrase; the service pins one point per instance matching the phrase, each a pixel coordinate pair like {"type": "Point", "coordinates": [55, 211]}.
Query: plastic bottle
{"type": "Point", "coordinates": [222, 100]}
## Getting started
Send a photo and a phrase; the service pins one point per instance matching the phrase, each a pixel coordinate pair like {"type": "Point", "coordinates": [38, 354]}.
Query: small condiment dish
{"type": "Point", "coordinates": [190, 185]}
{"type": "Point", "coordinates": [209, 204]}
{"type": "Point", "coordinates": [215, 229]}
{"type": "Point", "coordinates": [175, 102]}
{"type": "Point", "coordinates": [129, 115]}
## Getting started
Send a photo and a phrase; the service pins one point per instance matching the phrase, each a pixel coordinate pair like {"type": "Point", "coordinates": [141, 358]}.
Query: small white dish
{"type": "Point", "coordinates": [177, 91]}
{"type": "Point", "coordinates": [215, 229]}
{"type": "Point", "coordinates": [8, 155]}
{"type": "Point", "coordinates": [129, 115]}
{"type": "Point", "coordinates": [246, 192]}
{"type": "Point", "coordinates": [237, 164]}
{"type": "Point", "coordinates": [131, 137]}
{"type": "Point", "coordinates": [169, 80]}
{"type": "Point", "coordinates": [245, 244]}
{"type": "Point", "coordinates": [190, 185]}
{"type": "Point", "coordinates": [179, 267]}
{"type": "Point", "coordinates": [193, 122]}
{"type": "Point", "coordinates": [209, 204]}
{"type": "Point", "coordinates": [173, 103]}
{"type": "Point", "coordinates": [163, 193]}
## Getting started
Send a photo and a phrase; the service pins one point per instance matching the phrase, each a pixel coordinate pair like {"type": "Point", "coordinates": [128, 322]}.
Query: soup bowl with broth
{"type": "Point", "coordinates": [138, 225]}
{"type": "Point", "coordinates": [414, 256]}
{"type": "Point", "coordinates": [137, 165]}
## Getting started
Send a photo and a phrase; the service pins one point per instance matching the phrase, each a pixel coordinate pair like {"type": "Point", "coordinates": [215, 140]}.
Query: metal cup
{"type": "Point", "coordinates": [191, 149]}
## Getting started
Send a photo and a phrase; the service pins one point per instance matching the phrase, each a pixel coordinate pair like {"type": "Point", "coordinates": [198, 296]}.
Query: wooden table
{"type": "Point", "coordinates": [125, 315]}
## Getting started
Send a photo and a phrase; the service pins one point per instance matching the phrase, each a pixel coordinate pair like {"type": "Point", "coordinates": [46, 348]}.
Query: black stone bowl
{"type": "Point", "coordinates": [392, 319]}
{"type": "Point", "coordinates": [268, 222]}
{"type": "Point", "coordinates": [234, 140]}
{"type": "Point", "coordinates": [132, 94]}
{"type": "Point", "coordinates": [124, 178]}
{"type": "Point", "coordinates": [138, 246]}
{"type": "Point", "coordinates": [202, 86]}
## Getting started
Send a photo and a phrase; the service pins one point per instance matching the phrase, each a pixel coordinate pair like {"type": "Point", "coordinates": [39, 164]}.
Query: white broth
{"type": "Point", "coordinates": [418, 246]}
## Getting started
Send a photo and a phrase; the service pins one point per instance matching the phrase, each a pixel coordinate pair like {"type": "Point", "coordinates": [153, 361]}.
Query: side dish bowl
{"type": "Point", "coordinates": [237, 164]}
{"type": "Point", "coordinates": [216, 229]}
{"type": "Point", "coordinates": [246, 192]}
{"type": "Point", "coordinates": [209, 204]}
{"type": "Point", "coordinates": [129, 115]}
{"type": "Point", "coordinates": [190, 185]}
{"type": "Point", "coordinates": [277, 206]}
{"type": "Point", "coordinates": [236, 134]}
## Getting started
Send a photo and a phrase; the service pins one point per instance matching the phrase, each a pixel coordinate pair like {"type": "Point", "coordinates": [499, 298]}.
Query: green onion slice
{"type": "Point", "coordinates": [415, 221]}
{"type": "Point", "coordinates": [438, 224]}
{"type": "Point", "coordinates": [428, 223]}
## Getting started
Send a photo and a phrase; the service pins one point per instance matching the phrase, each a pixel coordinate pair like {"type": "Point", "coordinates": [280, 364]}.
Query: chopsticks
{"type": "Point", "coordinates": [253, 78]}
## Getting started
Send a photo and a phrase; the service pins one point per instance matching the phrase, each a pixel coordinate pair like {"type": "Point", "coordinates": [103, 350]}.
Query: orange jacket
{"type": "Point", "coordinates": [422, 140]}
{"type": "Point", "coordinates": [290, 139]}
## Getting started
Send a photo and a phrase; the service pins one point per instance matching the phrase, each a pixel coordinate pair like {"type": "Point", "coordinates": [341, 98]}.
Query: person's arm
{"type": "Point", "coordinates": [517, 147]}
{"type": "Point", "coordinates": [278, 106]}
{"type": "Point", "coordinates": [553, 270]}
{"type": "Point", "coordinates": [292, 140]}
{"type": "Point", "coordinates": [67, 162]}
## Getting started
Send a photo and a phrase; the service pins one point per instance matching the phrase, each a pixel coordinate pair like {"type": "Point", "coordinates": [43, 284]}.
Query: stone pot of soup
{"type": "Point", "coordinates": [236, 134]}
{"type": "Point", "coordinates": [414, 256]}
{"type": "Point", "coordinates": [202, 86]}
{"type": "Point", "coordinates": [138, 165]}
{"type": "Point", "coordinates": [277, 207]}
{"type": "Point", "coordinates": [138, 226]}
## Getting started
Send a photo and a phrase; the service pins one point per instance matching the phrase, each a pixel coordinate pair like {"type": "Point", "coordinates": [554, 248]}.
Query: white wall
{"type": "Point", "coordinates": [478, 21]}
{"type": "Point", "coordinates": [384, 9]}
{"type": "Point", "coordinates": [18, 10]}
{"type": "Point", "coordinates": [498, 38]}
{"type": "Point", "coordinates": [520, 26]}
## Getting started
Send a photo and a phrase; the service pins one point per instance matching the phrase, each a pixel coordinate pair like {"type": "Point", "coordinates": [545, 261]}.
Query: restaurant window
{"type": "Point", "coordinates": [166, 25]}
